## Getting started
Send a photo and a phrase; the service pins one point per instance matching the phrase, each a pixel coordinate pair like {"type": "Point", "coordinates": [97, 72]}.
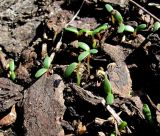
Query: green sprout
{"type": "Point", "coordinates": [71, 68]}
{"type": "Point", "coordinates": [121, 28]}
{"type": "Point", "coordinates": [115, 15]}
{"type": "Point", "coordinates": [12, 70]}
{"type": "Point", "coordinates": [156, 26]}
{"type": "Point", "coordinates": [122, 126]}
{"type": "Point", "coordinates": [129, 28]}
{"type": "Point", "coordinates": [107, 86]}
{"type": "Point", "coordinates": [139, 28]}
{"type": "Point", "coordinates": [147, 113]}
{"type": "Point", "coordinates": [109, 8]}
{"type": "Point", "coordinates": [72, 29]}
{"type": "Point", "coordinates": [100, 28]}
{"type": "Point", "coordinates": [46, 65]}
{"type": "Point", "coordinates": [86, 53]}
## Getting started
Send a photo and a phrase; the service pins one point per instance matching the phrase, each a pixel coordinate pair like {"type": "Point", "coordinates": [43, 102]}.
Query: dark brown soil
{"type": "Point", "coordinates": [54, 105]}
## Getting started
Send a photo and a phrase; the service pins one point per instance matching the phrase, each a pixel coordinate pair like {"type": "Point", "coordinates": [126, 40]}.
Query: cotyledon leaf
{"type": "Point", "coordinates": [83, 55]}
{"type": "Point", "coordinates": [70, 69]}
{"type": "Point", "coordinates": [40, 72]}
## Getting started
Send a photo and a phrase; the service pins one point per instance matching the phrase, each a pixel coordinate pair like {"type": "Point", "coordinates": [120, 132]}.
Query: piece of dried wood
{"type": "Point", "coordinates": [44, 107]}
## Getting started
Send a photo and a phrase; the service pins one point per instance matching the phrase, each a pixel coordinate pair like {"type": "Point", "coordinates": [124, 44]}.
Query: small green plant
{"type": "Point", "coordinates": [46, 65]}
{"type": "Point", "coordinates": [139, 28]}
{"type": "Point", "coordinates": [86, 53]}
{"type": "Point", "coordinates": [122, 126]}
{"type": "Point", "coordinates": [71, 68]}
{"type": "Point", "coordinates": [107, 86]}
{"type": "Point", "coordinates": [115, 15]}
{"type": "Point", "coordinates": [87, 32]}
{"type": "Point", "coordinates": [156, 26]}
{"type": "Point", "coordinates": [12, 70]}
{"type": "Point", "coordinates": [147, 113]}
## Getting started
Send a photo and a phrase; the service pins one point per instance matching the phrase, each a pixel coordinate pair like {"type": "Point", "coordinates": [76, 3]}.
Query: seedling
{"type": "Point", "coordinates": [115, 15]}
{"type": "Point", "coordinates": [107, 86]}
{"type": "Point", "coordinates": [122, 126]}
{"type": "Point", "coordinates": [147, 113]}
{"type": "Point", "coordinates": [46, 65]}
{"type": "Point", "coordinates": [71, 68]}
{"type": "Point", "coordinates": [12, 70]}
{"type": "Point", "coordinates": [139, 28]}
{"type": "Point", "coordinates": [156, 26]}
{"type": "Point", "coordinates": [86, 53]}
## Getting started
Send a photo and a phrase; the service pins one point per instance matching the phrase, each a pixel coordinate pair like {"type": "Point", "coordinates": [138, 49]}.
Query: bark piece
{"type": "Point", "coordinates": [118, 72]}
{"type": "Point", "coordinates": [9, 94]}
{"type": "Point", "coordinates": [87, 96]}
{"type": "Point", "coordinates": [44, 107]}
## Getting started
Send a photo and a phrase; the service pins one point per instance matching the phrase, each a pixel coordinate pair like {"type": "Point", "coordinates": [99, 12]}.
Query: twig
{"type": "Point", "coordinates": [135, 3]}
{"type": "Point", "coordinates": [75, 14]}
{"type": "Point", "coordinates": [154, 106]}
{"type": "Point", "coordinates": [115, 115]}
{"type": "Point", "coordinates": [58, 46]}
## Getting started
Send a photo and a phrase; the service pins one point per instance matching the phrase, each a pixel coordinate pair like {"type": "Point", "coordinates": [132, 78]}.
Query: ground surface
{"type": "Point", "coordinates": [56, 105]}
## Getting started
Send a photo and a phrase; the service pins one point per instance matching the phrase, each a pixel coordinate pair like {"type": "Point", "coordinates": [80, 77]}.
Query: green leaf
{"type": "Point", "coordinates": [86, 31]}
{"type": "Point", "coordinates": [109, 7]}
{"type": "Point", "coordinates": [70, 69]}
{"type": "Point", "coordinates": [122, 126]}
{"type": "Point", "coordinates": [121, 28]}
{"type": "Point", "coordinates": [107, 85]}
{"type": "Point", "coordinates": [93, 51]}
{"type": "Point", "coordinates": [156, 26]}
{"type": "Point", "coordinates": [72, 29]}
{"type": "Point", "coordinates": [128, 28]}
{"type": "Point", "coordinates": [83, 55]}
{"type": "Point", "coordinates": [100, 28]}
{"type": "Point", "coordinates": [109, 99]}
{"type": "Point", "coordinates": [40, 72]}
{"type": "Point", "coordinates": [147, 113]}
{"type": "Point", "coordinates": [140, 27]}
{"type": "Point", "coordinates": [117, 15]}
{"type": "Point", "coordinates": [11, 65]}
{"type": "Point", "coordinates": [47, 62]}
{"type": "Point", "coordinates": [12, 75]}
{"type": "Point", "coordinates": [83, 46]}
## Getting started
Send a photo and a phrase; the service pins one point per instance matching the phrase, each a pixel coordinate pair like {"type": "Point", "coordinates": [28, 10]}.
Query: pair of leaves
{"type": "Point", "coordinates": [46, 64]}
{"type": "Point", "coordinates": [129, 28]}
{"type": "Point", "coordinates": [116, 14]}
{"type": "Point", "coordinates": [88, 32]}
{"type": "Point", "coordinates": [87, 51]}
{"type": "Point", "coordinates": [85, 54]}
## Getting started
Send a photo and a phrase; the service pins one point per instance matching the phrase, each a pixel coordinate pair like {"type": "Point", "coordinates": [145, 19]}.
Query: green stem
{"type": "Point", "coordinates": [88, 64]}
{"type": "Point", "coordinates": [78, 75]}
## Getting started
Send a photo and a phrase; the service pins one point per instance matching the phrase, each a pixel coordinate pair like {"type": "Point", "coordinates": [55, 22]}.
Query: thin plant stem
{"type": "Point", "coordinates": [88, 64]}
{"type": "Point", "coordinates": [78, 75]}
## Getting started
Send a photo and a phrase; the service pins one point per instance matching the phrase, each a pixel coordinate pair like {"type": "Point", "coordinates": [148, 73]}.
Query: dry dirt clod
{"type": "Point", "coordinates": [9, 94]}
{"type": "Point", "coordinates": [44, 107]}
{"type": "Point", "coordinates": [118, 72]}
